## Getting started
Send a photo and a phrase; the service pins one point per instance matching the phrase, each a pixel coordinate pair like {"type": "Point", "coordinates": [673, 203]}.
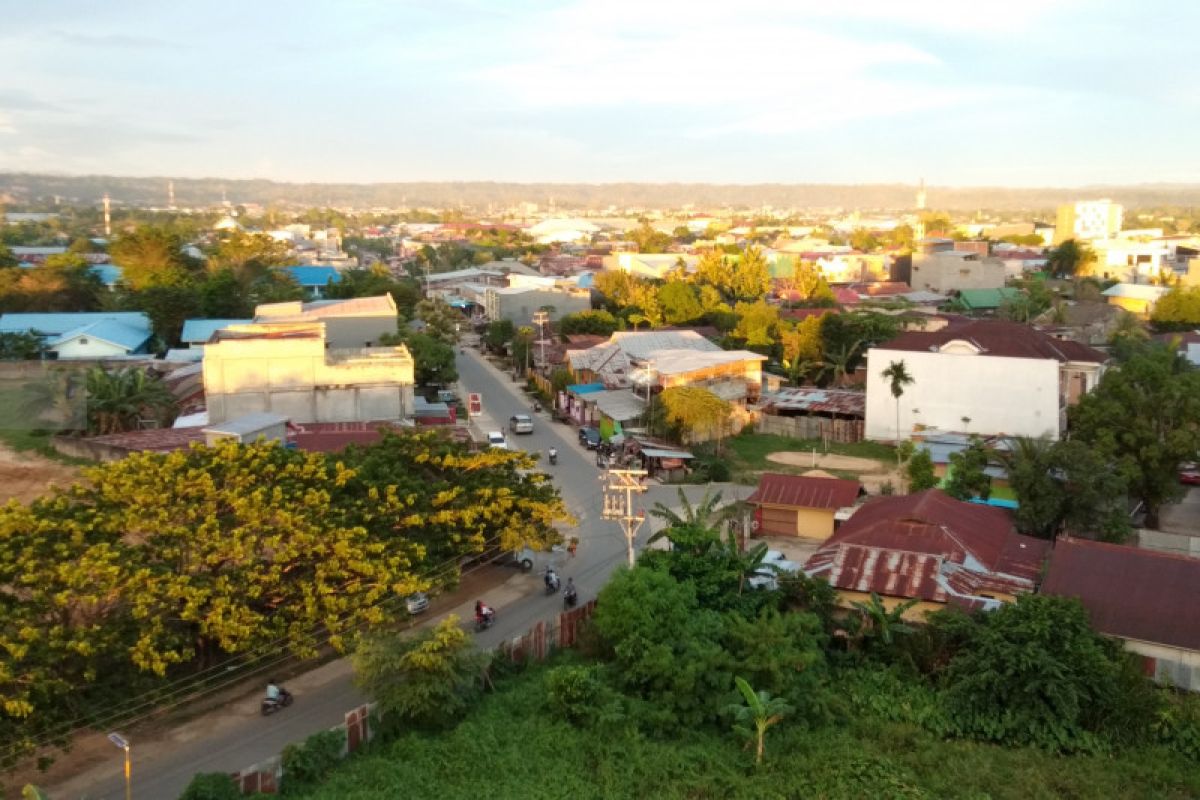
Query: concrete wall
{"type": "Point", "coordinates": [1170, 666]}
{"type": "Point", "coordinates": [520, 307]}
{"type": "Point", "coordinates": [1010, 396]}
{"type": "Point", "coordinates": [88, 347]}
{"type": "Point", "coordinates": [298, 379]}
{"type": "Point", "coordinates": [355, 332]}
{"type": "Point", "coordinates": [938, 272]}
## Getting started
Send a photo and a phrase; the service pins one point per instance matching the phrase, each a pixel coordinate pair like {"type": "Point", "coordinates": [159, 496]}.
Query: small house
{"type": "Point", "coordinates": [799, 505]}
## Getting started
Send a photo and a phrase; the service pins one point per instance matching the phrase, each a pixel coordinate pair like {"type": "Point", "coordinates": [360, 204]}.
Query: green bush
{"type": "Point", "coordinates": [307, 764]}
{"type": "Point", "coordinates": [211, 786]}
{"type": "Point", "coordinates": [579, 694]}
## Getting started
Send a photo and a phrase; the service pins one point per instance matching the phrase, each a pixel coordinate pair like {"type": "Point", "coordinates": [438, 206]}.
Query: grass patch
{"type": "Point", "coordinates": [513, 746]}
{"type": "Point", "coordinates": [17, 425]}
{"type": "Point", "coordinates": [747, 454]}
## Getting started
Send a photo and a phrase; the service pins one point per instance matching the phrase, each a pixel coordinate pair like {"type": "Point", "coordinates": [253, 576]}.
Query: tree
{"type": "Point", "coordinates": [1144, 417]}
{"type": "Point", "coordinates": [248, 255]}
{"type": "Point", "coordinates": [1034, 672]}
{"type": "Point", "coordinates": [801, 345]}
{"type": "Point", "coordinates": [696, 410]}
{"type": "Point", "coordinates": [807, 285]}
{"type": "Point", "coordinates": [649, 240]}
{"type": "Point", "coordinates": [749, 277]}
{"type": "Point", "coordinates": [615, 286]}
{"type": "Point", "coordinates": [1070, 259]}
{"type": "Point", "coordinates": [863, 240]}
{"type": "Point", "coordinates": [1178, 309]}
{"type": "Point", "coordinates": [968, 473]}
{"type": "Point", "coordinates": [120, 399]}
{"type": "Point", "coordinates": [596, 323]}
{"type": "Point", "coordinates": [499, 333]}
{"type": "Point", "coordinates": [433, 359]}
{"type": "Point", "coordinates": [168, 306]}
{"type": "Point", "coordinates": [712, 270]}
{"type": "Point", "coordinates": [429, 679]}
{"type": "Point", "coordinates": [153, 257]}
{"type": "Point", "coordinates": [878, 625]}
{"type": "Point", "coordinates": [761, 711]}
{"type": "Point", "coordinates": [679, 303]}
{"type": "Point", "coordinates": [758, 323]}
{"type": "Point", "coordinates": [920, 473]}
{"type": "Point", "coordinates": [7, 259]}
{"type": "Point", "coordinates": [441, 320]}
{"type": "Point", "coordinates": [898, 377]}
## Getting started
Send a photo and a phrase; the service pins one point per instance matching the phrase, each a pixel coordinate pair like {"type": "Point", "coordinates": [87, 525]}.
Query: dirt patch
{"type": "Point", "coordinates": [828, 461]}
{"type": "Point", "coordinates": [27, 476]}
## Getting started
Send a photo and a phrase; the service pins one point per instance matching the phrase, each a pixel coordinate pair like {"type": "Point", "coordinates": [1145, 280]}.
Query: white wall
{"type": "Point", "coordinates": [95, 348]}
{"type": "Point", "coordinates": [1013, 396]}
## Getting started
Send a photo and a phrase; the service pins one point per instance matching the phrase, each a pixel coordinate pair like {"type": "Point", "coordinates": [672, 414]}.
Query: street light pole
{"type": "Point", "coordinates": [123, 743]}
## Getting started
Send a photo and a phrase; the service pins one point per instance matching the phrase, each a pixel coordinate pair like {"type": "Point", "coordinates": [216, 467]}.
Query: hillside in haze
{"type": "Point", "coordinates": [25, 188]}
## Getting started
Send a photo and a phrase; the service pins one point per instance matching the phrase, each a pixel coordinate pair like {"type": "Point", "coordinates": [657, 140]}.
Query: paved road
{"type": "Point", "coordinates": [237, 736]}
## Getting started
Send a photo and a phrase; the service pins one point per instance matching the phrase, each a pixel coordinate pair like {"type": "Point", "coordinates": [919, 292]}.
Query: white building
{"type": "Point", "coordinates": [1087, 220]}
{"type": "Point", "coordinates": [985, 377]}
{"type": "Point", "coordinates": [650, 265]}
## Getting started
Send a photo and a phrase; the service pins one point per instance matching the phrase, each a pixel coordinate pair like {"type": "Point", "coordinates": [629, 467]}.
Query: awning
{"type": "Point", "coordinates": [655, 453]}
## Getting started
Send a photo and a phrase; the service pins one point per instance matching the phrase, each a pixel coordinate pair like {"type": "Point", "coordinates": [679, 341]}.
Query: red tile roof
{"type": "Point", "coordinates": [805, 313]}
{"type": "Point", "coordinates": [998, 338]}
{"type": "Point", "coordinates": [932, 547]}
{"type": "Point", "coordinates": [804, 492]}
{"type": "Point", "coordinates": [1130, 592]}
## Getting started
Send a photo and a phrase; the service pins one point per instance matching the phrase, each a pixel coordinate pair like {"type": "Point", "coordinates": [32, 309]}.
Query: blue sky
{"type": "Point", "coordinates": [1020, 92]}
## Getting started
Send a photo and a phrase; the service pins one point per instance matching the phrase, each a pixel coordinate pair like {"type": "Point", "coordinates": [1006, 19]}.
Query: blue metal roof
{"type": "Point", "coordinates": [314, 276]}
{"type": "Point", "coordinates": [110, 274]}
{"type": "Point", "coordinates": [199, 331]}
{"type": "Point", "coordinates": [56, 324]}
{"type": "Point", "coordinates": [108, 330]}
{"type": "Point", "coordinates": [585, 388]}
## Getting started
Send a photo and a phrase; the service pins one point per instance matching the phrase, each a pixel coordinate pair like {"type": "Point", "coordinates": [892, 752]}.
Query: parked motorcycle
{"type": "Point", "coordinates": [270, 706]}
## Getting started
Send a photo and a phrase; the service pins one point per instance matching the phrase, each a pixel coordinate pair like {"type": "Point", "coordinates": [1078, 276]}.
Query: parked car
{"type": "Point", "coordinates": [520, 423]}
{"type": "Point", "coordinates": [496, 439]}
{"type": "Point", "coordinates": [589, 438]}
{"type": "Point", "coordinates": [775, 564]}
{"type": "Point", "coordinates": [1190, 476]}
{"type": "Point", "coordinates": [417, 603]}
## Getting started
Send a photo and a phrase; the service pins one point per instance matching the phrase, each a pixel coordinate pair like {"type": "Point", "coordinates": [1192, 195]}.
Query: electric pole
{"type": "Point", "coordinates": [620, 485]}
{"type": "Point", "coordinates": [540, 319]}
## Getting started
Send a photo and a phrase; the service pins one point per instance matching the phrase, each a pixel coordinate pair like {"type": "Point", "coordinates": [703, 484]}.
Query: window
{"type": "Point", "coordinates": [83, 340]}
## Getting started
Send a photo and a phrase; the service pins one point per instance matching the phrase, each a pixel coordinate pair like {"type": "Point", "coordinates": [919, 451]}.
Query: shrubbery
{"type": "Point", "coordinates": [306, 765]}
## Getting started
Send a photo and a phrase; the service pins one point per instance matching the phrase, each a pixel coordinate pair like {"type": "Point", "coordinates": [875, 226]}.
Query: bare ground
{"type": "Point", "coordinates": [871, 472]}
{"type": "Point", "coordinates": [27, 476]}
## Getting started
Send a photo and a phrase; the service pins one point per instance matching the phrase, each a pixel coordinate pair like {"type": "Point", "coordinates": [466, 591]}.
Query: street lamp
{"type": "Point", "coordinates": [123, 743]}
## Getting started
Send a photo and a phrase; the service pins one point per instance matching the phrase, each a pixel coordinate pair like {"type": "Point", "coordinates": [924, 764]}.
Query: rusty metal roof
{"type": "Point", "coordinates": [997, 338]}
{"type": "Point", "coordinates": [1129, 592]}
{"type": "Point", "coordinates": [818, 401]}
{"type": "Point", "coordinates": [929, 546]}
{"type": "Point", "coordinates": [802, 491]}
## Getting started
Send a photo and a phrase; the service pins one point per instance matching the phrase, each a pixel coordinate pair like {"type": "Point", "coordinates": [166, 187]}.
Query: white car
{"type": "Point", "coordinates": [496, 439]}
{"type": "Point", "coordinates": [775, 564]}
{"type": "Point", "coordinates": [521, 423]}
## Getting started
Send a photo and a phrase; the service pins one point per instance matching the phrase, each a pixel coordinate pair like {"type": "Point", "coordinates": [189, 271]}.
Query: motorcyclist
{"type": "Point", "coordinates": [553, 455]}
{"type": "Point", "coordinates": [569, 593]}
{"type": "Point", "coordinates": [273, 692]}
{"type": "Point", "coordinates": [551, 578]}
{"type": "Point", "coordinates": [482, 611]}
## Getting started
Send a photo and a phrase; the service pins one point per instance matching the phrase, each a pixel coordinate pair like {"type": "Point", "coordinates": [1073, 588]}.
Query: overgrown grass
{"type": "Point", "coordinates": [512, 746]}
{"type": "Point", "coordinates": [17, 429]}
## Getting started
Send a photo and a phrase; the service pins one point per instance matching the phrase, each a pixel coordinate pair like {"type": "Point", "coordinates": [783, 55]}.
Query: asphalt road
{"type": "Point", "coordinates": [237, 736]}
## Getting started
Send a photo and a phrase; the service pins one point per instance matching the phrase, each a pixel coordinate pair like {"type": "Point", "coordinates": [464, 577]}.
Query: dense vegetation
{"type": "Point", "coordinates": [1022, 702]}
{"type": "Point", "coordinates": [163, 571]}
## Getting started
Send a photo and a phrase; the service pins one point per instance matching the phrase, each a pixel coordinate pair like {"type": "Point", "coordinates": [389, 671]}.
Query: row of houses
{"type": "Point", "coordinates": [937, 551]}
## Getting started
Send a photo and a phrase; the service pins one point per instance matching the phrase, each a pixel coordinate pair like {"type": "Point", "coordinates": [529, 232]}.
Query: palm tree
{"type": "Point", "coordinates": [696, 528]}
{"type": "Point", "coordinates": [749, 564]}
{"type": "Point", "coordinates": [899, 377]}
{"type": "Point", "coordinates": [881, 625]}
{"type": "Point", "coordinates": [837, 361]}
{"type": "Point", "coordinates": [756, 716]}
{"type": "Point", "coordinates": [119, 400]}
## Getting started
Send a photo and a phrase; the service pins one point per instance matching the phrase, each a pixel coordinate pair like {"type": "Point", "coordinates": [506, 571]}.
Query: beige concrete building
{"type": "Point", "coordinates": [356, 322]}
{"type": "Point", "coordinates": [953, 271]}
{"type": "Point", "coordinates": [286, 369]}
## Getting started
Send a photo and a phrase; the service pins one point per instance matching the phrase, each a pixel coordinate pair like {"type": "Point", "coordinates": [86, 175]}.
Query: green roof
{"type": "Point", "coordinates": [979, 299]}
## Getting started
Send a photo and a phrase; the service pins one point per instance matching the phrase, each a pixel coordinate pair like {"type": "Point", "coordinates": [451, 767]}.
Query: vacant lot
{"type": "Point", "coordinates": [26, 475]}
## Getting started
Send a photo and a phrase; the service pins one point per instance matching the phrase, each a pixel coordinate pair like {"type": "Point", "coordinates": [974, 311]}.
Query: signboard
{"type": "Point", "coordinates": [118, 740]}
{"type": "Point", "coordinates": [474, 404]}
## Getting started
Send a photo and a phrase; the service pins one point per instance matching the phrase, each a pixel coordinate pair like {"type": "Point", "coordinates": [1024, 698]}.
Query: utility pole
{"type": "Point", "coordinates": [540, 319]}
{"type": "Point", "coordinates": [620, 485]}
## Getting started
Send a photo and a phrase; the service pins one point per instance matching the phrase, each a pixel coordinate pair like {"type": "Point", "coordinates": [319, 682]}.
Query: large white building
{"type": "Point", "coordinates": [986, 377]}
{"type": "Point", "coordinates": [1089, 219]}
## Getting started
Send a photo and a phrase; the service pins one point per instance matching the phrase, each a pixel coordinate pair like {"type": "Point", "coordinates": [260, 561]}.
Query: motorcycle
{"type": "Point", "coordinates": [553, 457]}
{"type": "Point", "coordinates": [570, 599]}
{"type": "Point", "coordinates": [270, 706]}
{"type": "Point", "coordinates": [537, 407]}
{"type": "Point", "coordinates": [484, 621]}
{"type": "Point", "coordinates": [552, 583]}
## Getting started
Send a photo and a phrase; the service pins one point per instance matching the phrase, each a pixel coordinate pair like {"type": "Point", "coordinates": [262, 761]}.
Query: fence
{"type": "Point", "coordinates": [358, 727]}
{"type": "Point", "coordinates": [843, 431]}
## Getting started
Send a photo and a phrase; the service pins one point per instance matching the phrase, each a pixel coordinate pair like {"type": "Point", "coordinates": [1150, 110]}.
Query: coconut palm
{"type": "Point", "coordinates": [898, 376]}
{"type": "Point", "coordinates": [119, 400]}
{"type": "Point", "coordinates": [694, 529]}
{"type": "Point", "coordinates": [880, 625]}
{"type": "Point", "coordinates": [756, 716]}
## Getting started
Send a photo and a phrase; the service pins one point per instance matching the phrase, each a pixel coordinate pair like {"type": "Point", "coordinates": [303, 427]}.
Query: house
{"type": "Point", "coordinates": [86, 334]}
{"type": "Point", "coordinates": [650, 265]}
{"type": "Point", "coordinates": [798, 505]}
{"type": "Point", "coordinates": [356, 322]}
{"type": "Point", "coordinates": [198, 331]}
{"type": "Point", "coordinates": [1084, 322]}
{"type": "Point", "coordinates": [1137, 299]}
{"type": "Point", "coordinates": [313, 280]}
{"type": "Point", "coordinates": [287, 368]}
{"type": "Point", "coordinates": [1145, 598]}
{"type": "Point", "coordinates": [519, 303]}
{"type": "Point", "coordinates": [987, 301]}
{"type": "Point", "coordinates": [986, 377]}
{"type": "Point", "coordinates": [953, 271]}
{"type": "Point", "coordinates": [930, 548]}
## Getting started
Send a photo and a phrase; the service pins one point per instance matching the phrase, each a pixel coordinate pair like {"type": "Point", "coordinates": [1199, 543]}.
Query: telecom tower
{"type": "Point", "coordinates": [921, 196]}
{"type": "Point", "coordinates": [107, 218]}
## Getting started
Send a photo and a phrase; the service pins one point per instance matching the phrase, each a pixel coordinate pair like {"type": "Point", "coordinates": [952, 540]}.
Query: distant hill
{"type": "Point", "coordinates": [22, 188]}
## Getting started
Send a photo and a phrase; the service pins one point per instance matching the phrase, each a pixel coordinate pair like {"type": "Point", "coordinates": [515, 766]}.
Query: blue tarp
{"type": "Point", "coordinates": [585, 388]}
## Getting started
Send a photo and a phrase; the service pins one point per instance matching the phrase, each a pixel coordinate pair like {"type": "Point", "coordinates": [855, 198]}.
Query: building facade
{"type": "Point", "coordinates": [954, 271]}
{"type": "Point", "coordinates": [1088, 219]}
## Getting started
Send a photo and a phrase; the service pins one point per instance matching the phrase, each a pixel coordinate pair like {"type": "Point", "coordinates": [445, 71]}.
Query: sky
{"type": "Point", "coordinates": [1012, 93]}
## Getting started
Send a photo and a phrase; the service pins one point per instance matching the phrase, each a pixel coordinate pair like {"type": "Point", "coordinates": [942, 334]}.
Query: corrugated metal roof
{"type": "Point", "coordinates": [890, 544]}
{"type": "Point", "coordinates": [996, 338]}
{"type": "Point", "coordinates": [313, 276]}
{"type": "Point", "coordinates": [199, 331]}
{"type": "Point", "coordinates": [107, 330]}
{"type": "Point", "coordinates": [1129, 592]}
{"type": "Point", "coordinates": [56, 324]}
{"type": "Point", "coordinates": [619, 404]}
{"type": "Point", "coordinates": [818, 401]}
{"type": "Point", "coordinates": [804, 492]}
